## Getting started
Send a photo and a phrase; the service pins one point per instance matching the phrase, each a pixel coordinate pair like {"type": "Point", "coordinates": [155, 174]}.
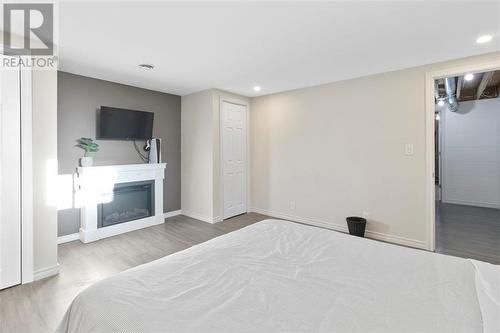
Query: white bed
{"type": "Point", "coordinates": [279, 276]}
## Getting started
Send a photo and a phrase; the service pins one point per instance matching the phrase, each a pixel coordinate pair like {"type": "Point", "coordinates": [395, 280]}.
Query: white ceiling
{"type": "Point", "coordinates": [280, 45]}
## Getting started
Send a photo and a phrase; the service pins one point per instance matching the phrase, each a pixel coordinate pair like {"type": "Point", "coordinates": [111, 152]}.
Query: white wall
{"type": "Point", "coordinates": [471, 153]}
{"type": "Point", "coordinates": [44, 171]}
{"type": "Point", "coordinates": [197, 155]}
{"type": "Point", "coordinates": [200, 154]}
{"type": "Point", "coordinates": [338, 150]}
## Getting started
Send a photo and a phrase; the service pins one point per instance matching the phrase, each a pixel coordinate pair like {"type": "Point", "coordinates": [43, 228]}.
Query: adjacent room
{"type": "Point", "coordinates": [250, 166]}
{"type": "Point", "coordinates": [468, 166]}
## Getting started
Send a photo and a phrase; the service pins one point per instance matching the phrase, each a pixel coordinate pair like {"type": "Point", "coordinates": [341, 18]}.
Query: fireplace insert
{"type": "Point", "coordinates": [130, 201]}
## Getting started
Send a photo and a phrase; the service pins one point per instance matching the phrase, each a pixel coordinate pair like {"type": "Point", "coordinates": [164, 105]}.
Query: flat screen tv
{"type": "Point", "coordinates": [123, 124]}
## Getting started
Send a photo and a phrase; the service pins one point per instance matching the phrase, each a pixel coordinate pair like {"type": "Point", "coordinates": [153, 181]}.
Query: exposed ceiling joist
{"type": "Point", "coordinates": [484, 83]}
{"type": "Point", "coordinates": [481, 86]}
{"type": "Point", "coordinates": [459, 86]}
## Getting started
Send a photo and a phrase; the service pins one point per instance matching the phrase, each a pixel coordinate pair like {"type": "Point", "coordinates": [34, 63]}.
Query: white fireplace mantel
{"type": "Point", "coordinates": [95, 185]}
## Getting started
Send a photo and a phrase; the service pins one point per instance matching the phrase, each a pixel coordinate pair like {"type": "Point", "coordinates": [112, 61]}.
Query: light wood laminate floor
{"type": "Point", "coordinates": [39, 306]}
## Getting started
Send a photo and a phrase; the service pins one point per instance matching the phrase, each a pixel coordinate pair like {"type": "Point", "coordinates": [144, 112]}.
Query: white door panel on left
{"type": "Point", "coordinates": [10, 178]}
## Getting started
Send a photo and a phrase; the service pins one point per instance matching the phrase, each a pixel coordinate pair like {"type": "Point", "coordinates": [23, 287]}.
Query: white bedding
{"type": "Point", "coordinates": [488, 293]}
{"type": "Point", "coordinates": [277, 276]}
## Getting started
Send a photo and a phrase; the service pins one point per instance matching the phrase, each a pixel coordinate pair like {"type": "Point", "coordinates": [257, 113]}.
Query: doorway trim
{"type": "Point", "coordinates": [429, 136]}
{"type": "Point", "coordinates": [27, 262]}
{"type": "Point", "coordinates": [221, 153]}
{"type": "Point", "coordinates": [26, 147]}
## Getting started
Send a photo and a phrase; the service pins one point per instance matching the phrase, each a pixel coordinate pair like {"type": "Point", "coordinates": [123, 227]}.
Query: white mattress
{"type": "Point", "coordinates": [277, 276]}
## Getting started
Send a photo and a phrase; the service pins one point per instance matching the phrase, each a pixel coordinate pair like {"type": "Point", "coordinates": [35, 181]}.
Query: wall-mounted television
{"type": "Point", "coordinates": [123, 124]}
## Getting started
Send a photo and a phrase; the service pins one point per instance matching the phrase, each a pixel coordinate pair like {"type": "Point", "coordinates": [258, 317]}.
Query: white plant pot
{"type": "Point", "coordinates": [86, 161]}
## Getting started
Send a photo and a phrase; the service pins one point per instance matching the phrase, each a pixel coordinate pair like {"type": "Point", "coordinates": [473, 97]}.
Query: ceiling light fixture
{"type": "Point", "coordinates": [146, 66]}
{"type": "Point", "coordinates": [440, 102]}
{"type": "Point", "coordinates": [484, 39]}
{"type": "Point", "coordinates": [468, 77]}
{"type": "Point", "coordinates": [256, 88]}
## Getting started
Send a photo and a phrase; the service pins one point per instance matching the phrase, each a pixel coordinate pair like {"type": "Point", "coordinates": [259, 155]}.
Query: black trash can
{"type": "Point", "coordinates": [356, 225]}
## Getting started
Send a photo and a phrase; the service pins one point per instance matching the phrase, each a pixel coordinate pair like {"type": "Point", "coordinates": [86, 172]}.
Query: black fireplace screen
{"type": "Point", "coordinates": [131, 201]}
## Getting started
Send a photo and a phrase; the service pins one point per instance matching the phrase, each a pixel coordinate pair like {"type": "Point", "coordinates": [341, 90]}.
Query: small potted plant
{"type": "Point", "coordinates": [89, 146]}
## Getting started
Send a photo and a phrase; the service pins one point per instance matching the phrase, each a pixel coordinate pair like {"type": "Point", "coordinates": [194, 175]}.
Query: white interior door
{"type": "Point", "coordinates": [10, 178]}
{"type": "Point", "coordinates": [234, 156]}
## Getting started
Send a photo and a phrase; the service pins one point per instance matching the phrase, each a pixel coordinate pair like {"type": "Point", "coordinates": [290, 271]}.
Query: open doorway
{"type": "Point", "coordinates": [467, 165]}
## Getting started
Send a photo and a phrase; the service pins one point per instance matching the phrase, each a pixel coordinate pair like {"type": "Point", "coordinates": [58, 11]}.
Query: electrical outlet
{"type": "Point", "coordinates": [292, 205]}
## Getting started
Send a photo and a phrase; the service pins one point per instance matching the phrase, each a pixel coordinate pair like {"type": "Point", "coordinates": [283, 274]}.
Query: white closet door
{"type": "Point", "coordinates": [234, 156]}
{"type": "Point", "coordinates": [10, 178]}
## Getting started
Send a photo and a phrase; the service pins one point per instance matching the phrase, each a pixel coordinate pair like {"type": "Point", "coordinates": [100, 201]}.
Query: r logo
{"type": "Point", "coordinates": [37, 24]}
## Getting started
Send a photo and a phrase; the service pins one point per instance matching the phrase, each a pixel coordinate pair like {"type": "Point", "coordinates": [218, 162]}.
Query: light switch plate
{"type": "Point", "coordinates": [409, 149]}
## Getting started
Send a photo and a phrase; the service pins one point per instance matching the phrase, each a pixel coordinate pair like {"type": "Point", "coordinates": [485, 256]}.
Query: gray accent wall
{"type": "Point", "coordinates": [78, 100]}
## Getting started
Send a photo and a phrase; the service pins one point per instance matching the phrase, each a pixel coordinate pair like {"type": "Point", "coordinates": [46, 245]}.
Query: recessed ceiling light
{"type": "Point", "coordinates": [484, 39]}
{"type": "Point", "coordinates": [146, 66]}
{"type": "Point", "coordinates": [257, 88]}
{"type": "Point", "coordinates": [440, 102]}
{"type": "Point", "coordinates": [468, 77]}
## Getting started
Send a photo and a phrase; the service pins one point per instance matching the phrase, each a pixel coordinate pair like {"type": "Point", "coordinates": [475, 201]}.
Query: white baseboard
{"type": "Point", "coordinates": [172, 213]}
{"type": "Point", "coordinates": [395, 239]}
{"type": "Point", "coordinates": [198, 216]}
{"type": "Point", "coordinates": [471, 203]}
{"type": "Point", "coordinates": [319, 223]}
{"type": "Point", "coordinates": [68, 238]}
{"type": "Point", "coordinates": [343, 228]}
{"type": "Point", "coordinates": [46, 272]}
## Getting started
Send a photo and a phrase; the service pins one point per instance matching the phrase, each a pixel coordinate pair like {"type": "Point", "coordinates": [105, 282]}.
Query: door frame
{"type": "Point", "coordinates": [246, 104]}
{"type": "Point", "coordinates": [27, 262]}
{"type": "Point", "coordinates": [430, 77]}
{"type": "Point", "coordinates": [26, 147]}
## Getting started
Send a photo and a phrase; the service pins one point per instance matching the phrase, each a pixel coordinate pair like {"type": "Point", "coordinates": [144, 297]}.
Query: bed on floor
{"type": "Point", "coordinates": [279, 276]}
